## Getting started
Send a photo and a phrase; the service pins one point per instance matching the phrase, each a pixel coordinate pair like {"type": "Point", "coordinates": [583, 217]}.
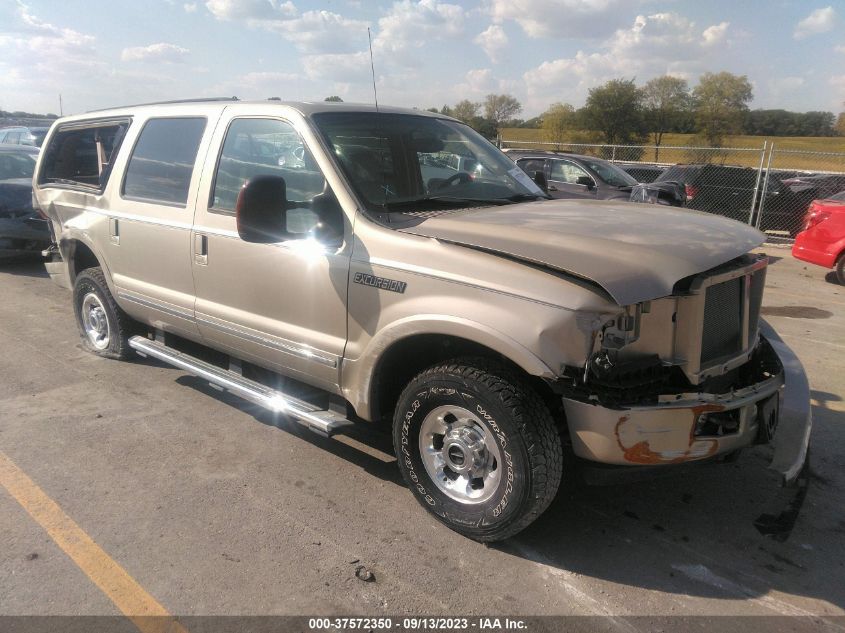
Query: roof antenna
{"type": "Point", "coordinates": [372, 68]}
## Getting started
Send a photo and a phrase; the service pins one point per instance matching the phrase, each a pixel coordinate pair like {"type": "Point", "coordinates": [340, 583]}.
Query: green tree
{"type": "Point", "coordinates": [615, 109]}
{"type": "Point", "coordinates": [666, 100]}
{"type": "Point", "coordinates": [334, 98]}
{"type": "Point", "coordinates": [558, 122]}
{"type": "Point", "coordinates": [840, 124]}
{"type": "Point", "coordinates": [721, 102]}
{"type": "Point", "coordinates": [500, 108]}
{"type": "Point", "coordinates": [465, 110]}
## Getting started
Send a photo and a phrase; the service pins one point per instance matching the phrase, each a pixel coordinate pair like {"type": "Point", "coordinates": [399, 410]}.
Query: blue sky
{"type": "Point", "coordinates": [427, 52]}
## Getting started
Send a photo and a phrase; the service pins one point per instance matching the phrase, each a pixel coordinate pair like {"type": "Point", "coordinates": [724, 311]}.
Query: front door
{"type": "Point", "coordinates": [282, 305]}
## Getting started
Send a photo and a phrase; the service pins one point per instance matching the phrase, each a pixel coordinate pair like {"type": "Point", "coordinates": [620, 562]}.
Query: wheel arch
{"type": "Point", "coordinates": [384, 375]}
{"type": "Point", "coordinates": [79, 254]}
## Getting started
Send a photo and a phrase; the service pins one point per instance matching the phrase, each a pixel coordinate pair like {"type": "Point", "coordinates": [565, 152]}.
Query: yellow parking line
{"type": "Point", "coordinates": [128, 596]}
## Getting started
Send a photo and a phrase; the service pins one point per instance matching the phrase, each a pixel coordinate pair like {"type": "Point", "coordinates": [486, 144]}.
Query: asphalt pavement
{"type": "Point", "coordinates": [213, 507]}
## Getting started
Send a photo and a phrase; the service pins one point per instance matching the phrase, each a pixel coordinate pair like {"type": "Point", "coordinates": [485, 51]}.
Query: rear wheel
{"type": "Point", "coordinates": [478, 447]}
{"type": "Point", "coordinates": [840, 270]}
{"type": "Point", "coordinates": [105, 328]}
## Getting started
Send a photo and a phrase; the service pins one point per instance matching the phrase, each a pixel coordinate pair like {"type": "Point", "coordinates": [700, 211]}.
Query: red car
{"type": "Point", "coordinates": [822, 241]}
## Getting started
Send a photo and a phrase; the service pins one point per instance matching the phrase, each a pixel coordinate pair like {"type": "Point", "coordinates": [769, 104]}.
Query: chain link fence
{"type": "Point", "coordinates": [765, 187]}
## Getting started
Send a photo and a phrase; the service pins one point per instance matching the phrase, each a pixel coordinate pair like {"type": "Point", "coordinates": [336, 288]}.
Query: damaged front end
{"type": "Point", "coordinates": [689, 377]}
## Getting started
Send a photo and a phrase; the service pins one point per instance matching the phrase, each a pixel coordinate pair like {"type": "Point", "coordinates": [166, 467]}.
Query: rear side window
{"type": "Point", "coordinates": [532, 165]}
{"type": "Point", "coordinates": [82, 154]}
{"type": "Point", "coordinates": [163, 159]}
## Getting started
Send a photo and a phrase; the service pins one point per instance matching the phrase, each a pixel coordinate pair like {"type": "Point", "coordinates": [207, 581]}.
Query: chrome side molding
{"type": "Point", "coordinates": [322, 421]}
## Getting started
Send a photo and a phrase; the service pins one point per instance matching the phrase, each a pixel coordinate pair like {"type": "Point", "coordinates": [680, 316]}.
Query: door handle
{"type": "Point", "coordinates": [201, 249]}
{"type": "Point", "coordinates": [114, 231]}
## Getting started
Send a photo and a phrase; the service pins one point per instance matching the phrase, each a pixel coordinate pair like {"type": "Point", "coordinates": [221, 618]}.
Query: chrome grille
{"type": "Point", "coordinates": [758, 282]}
{"type": "Point", "coordinates": [722, 327]}
{"type": "Point", "coordinates": [725, 330]}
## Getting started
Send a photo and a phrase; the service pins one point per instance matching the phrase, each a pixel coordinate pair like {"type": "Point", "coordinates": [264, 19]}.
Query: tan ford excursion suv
{"type": "Point", "coordinates": [339, 263]}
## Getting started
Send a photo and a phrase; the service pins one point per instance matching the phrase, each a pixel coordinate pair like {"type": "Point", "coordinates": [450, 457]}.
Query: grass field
{"type": "Point", "coordinates": [809, 150]}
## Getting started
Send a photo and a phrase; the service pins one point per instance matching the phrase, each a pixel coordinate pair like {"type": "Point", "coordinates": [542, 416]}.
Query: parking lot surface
{"type": "Point", "coordinates": [211, 506]}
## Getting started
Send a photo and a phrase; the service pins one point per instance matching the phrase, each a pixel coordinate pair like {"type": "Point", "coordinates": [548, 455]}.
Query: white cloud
{"type": "Point", "coordinates": [662, 43]}
{"type": "Point", "coordinates": [410, 25]}
{"type": "Point", "coordinates": [481, 80]}
{"type": "Point", "coordinates": [781, 87]}
{"type": "Point", "coordinates": [492, 41]}
{"type": "Point", "coordinates": [346, 67]}
{"type": "Point", "coordinates": [560, 18]}
{"type": "Point", "coordinates": [819, 21]}
{"type": "Point", "coordinates": [250, 10]}
{"type": "Point", "coordinates": [715, 34]}
{"type": "Point", "coordinates": [322, 32]}
{"type": "Point", "coordinates": [840, 48]}
{"type": "Point", "coordinates": [190, 7]}
{"type": "Point", "coordinates": [161, 52]}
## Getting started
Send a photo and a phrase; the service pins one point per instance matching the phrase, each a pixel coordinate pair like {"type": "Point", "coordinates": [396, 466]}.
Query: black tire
{"type": "Point", "coordinates": [840, 270]}
{"type": "Point", "coordinates": [521, 428]}
{"type": "Point", "coordinates": [92, 281]}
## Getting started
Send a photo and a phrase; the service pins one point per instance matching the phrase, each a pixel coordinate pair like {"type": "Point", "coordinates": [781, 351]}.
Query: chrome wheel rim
{"type": "Point", "coordinates": [94, 321]}
{"type": "Point", "coordinates": [460, 454]}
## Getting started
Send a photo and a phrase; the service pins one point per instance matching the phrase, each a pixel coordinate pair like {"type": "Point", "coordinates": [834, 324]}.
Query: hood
{"type": "Point", "coordinates": [636, 252]}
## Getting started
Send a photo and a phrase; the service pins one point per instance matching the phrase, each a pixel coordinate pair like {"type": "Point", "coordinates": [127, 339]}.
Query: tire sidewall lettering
{"type": "Point", "coordinates": [512, 486]}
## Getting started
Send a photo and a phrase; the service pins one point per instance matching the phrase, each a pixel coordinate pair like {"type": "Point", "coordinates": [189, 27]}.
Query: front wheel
{"type": "Point", "coordinates": [840, 270]}
{"type": "Point", "coordinates": [478, 447]}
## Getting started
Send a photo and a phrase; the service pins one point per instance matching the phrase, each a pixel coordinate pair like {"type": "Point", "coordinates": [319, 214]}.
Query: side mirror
{"type": "Point", "coordinates": [586, 181]}
{"type": "Point", "coordinates": [540, 181]}
{"type": "Point", "coordinates": [329, 227]}
{"type": "Point", "coordinates": [261, 210]}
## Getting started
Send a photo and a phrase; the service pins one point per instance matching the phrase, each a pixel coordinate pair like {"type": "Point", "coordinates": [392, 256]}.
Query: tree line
{"type": "Point", "coordinates": [621, 113]}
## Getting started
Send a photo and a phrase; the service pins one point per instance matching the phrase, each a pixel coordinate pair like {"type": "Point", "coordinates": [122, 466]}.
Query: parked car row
{"type": "Point", "coordinates": [822, 240]}
{"type": "Point", "coordinates": [720, 189]}
{"type": "Point", "coordinates": [20, 135]}
{"type": "Point", "coordinates": [23, 231]}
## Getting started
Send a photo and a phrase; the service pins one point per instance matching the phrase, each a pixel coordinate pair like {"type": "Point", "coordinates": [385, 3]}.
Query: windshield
{"type": "Point", "coordinates": [407, 162]}
{"type": "Point", "coordinates": [611, 174]}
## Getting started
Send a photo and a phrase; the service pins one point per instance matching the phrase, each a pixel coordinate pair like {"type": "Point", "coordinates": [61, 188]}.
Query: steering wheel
{"type": "Point", "coordinates": [460, 178]}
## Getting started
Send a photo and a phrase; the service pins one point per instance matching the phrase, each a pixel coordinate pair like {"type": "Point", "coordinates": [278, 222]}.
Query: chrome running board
{"type": "Point", "coordinates": [322, 421]}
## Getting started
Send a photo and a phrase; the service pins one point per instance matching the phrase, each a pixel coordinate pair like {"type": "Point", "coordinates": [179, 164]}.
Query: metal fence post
{"type": "Point", "coordinates": [757, 184]}
{"type": "Point", "coordinates": [613, 155]}
{"type": "Point", "coordinates": [765, 186]}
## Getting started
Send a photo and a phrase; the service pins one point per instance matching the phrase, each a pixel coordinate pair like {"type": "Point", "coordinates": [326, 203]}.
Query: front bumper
{"type": "Point", "coordinates": [665, 433]}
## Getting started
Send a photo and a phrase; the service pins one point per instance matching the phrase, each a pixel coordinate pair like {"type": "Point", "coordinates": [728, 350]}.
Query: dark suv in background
{"type": "Point", "coordinates": [729, 191]}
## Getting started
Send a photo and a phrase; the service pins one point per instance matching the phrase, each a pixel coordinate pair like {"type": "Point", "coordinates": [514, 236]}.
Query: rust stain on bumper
{"type": "Point", "coordinates": [641, 452]}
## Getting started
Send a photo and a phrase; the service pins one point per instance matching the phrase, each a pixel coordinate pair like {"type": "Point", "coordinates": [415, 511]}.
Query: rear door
{"type": "Point", "coordinates": [150, 218]}
{"type": "Point", "coordinates": [563, 180]}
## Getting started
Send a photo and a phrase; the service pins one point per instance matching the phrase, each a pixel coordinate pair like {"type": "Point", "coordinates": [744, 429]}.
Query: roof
{"type": "Point", "coordinates": [306, 108]}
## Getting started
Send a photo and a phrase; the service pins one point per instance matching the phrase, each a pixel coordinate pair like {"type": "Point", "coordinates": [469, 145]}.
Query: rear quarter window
{"type": "Point", "coordinates": [163, 160]}
{"type": "Point", "coordinates": [81, 154]}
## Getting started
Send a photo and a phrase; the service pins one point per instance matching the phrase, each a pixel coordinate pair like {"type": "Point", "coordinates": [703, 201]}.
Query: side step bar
{"type": "Point", "coordinates": [322, 421]}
